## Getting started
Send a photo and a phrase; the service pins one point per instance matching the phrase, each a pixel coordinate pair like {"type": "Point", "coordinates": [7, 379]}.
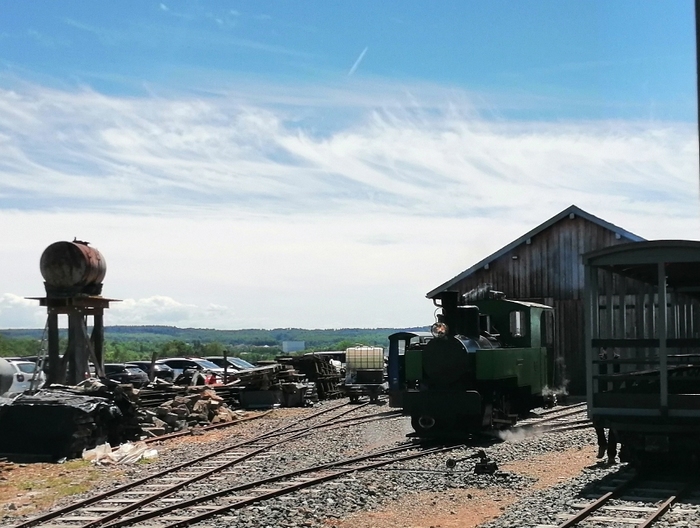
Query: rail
{"type": "Point", "coordinates": [212, 467]}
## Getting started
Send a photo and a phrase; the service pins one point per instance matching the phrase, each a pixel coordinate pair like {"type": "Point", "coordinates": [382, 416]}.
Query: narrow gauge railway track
{"type": "Point", "coordinates": [620, 506]}
{"type": "Point", "coordinates": [555, 414]}
{"type": "Point", "coordinates": [567, 419]}
{"type": "Point", "coordinates": [204, 429]}
{"type": "Point", "coordinates": [102, 508]}
{"type": "Point", "coordinates": [572, 425]}
{"type": "Point", "coordinates": [195, 510]}
{"type": "Point", "coordinates": [562, 408]}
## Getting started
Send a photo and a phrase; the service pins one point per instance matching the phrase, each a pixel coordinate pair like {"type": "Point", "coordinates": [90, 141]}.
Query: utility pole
{"type": "Point", "coordinates": [697, 60]}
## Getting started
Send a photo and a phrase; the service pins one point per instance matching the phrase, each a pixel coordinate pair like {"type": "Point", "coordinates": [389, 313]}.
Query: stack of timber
{"type": "Point", "coordinates": [153, 396]}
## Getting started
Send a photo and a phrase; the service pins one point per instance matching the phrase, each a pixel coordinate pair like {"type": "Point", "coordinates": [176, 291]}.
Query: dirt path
{"type": "Point", "coordinates": [468, 508]}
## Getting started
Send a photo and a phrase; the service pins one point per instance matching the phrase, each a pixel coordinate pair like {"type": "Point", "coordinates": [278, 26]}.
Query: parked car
{"type": "Point", "coordinates": [234, 363]}
{"type": "Point", "coordinates": [122, 373]}
{"type": "Point", "coordinates": [179, 365]}
{"type": "Point", "coordinates": [22, 377]}
{"type": "Point", "coordinates": [160, 370]}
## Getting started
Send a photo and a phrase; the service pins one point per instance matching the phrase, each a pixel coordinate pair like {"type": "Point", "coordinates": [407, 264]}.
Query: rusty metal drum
{"type": "Point", "coordinates": [71, 268]}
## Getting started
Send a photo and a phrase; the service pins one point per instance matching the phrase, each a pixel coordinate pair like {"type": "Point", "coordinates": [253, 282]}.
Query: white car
{"type": "Point", "coordinates": [22, 378]}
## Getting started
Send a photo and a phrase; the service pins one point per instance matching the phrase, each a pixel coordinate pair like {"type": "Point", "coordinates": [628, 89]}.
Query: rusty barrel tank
{"type": "Point", "coordinates": [72, 268]}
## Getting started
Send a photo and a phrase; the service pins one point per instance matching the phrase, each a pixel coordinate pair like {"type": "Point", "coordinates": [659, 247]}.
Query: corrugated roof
{"type": "Point", "coordinates": [566, 212]}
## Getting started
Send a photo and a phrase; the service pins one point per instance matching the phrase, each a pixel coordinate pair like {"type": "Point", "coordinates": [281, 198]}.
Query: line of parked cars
{"type": "Point", "coordinates": [138, 373]}
{"type": "Point", "coordinates": [211, 368]}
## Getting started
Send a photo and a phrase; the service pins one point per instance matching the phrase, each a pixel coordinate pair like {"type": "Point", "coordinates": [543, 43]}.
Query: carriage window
{"type": "Point", "coordinates": [517, 324]}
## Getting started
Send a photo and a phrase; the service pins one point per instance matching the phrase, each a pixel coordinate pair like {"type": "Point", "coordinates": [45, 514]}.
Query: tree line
{"type": "Point", "coordinates": [132, 343]}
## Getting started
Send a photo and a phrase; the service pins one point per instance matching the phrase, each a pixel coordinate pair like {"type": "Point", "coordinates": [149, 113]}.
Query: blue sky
{"type": "Point", "coordinates": [324, 164]}
{"type": "Point", "coordinates": [589, 59]}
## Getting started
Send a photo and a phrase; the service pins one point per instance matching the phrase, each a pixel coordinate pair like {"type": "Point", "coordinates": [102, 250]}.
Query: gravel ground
{"type": "Point", "coordinates": [539, 477]}
{"type": "Point", "coordinates": [544, 508]}
{"type": "Point", "coordinates": [335, 503]}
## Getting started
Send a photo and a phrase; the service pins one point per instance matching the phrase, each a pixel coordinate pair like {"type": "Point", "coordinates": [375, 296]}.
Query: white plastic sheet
{"type": "Point", "coordinates": [125, 454]}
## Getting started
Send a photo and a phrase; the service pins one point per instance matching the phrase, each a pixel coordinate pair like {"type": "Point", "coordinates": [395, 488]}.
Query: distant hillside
{"type": "Point", "coordinates": [252, 337]}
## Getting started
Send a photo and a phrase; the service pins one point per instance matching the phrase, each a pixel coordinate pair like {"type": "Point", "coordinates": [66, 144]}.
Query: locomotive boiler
{"type": "Point", "coordinates": [483, 364]}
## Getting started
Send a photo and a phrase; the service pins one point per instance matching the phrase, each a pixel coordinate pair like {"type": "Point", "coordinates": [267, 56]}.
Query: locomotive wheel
{"type": "Point", "coordinates": [423, 424]}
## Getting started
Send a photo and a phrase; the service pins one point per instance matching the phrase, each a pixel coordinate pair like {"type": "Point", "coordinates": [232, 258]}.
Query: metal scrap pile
{"type": "Point", "coordinates": [266, 377]}
{"type": "Point", "coordinates": [260, 387]}
{"type": "Point", "coordinates": [318, 370]}
{"type": "Point", "coordinates": [272, 385]}
{"type": "Point", "coordinates": [60, 421]}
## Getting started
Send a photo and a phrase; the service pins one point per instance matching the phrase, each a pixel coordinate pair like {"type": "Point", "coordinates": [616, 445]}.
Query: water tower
{"type": "Point", "coordinates": [73, 273]}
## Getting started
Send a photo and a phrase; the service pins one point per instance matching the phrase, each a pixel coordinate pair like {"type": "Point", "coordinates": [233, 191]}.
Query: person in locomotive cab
{"type": "Point", "coordinates": [608, 444]}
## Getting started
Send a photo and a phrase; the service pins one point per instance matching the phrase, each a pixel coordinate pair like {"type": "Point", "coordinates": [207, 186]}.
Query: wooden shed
{"type": "Point", "coordinates": [545, 266]}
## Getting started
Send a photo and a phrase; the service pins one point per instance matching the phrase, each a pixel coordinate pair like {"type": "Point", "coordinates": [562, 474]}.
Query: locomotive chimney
{"type": "Point", "coordinates": [460, 320]}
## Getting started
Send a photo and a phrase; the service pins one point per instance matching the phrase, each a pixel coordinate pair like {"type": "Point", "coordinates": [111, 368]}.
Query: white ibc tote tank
{"type": "Point", "coordinates": [364, 357]}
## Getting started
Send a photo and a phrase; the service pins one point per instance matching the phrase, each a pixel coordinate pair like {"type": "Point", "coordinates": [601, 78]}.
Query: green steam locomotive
{"type": "Point", "coordinates": [483, 364]}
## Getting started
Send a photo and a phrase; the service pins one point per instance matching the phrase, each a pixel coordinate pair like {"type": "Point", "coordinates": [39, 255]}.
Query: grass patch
{"type": "Point", "coordinates": [61, 485]}
{"type": "Point", "coordinates": [38, 486]}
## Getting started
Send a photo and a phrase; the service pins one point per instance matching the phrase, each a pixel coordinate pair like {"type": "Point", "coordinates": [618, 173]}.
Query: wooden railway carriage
{"type": "Point", "coordinates": [489, 365]}
{"type": "Point", "coordinates": [642, 340]}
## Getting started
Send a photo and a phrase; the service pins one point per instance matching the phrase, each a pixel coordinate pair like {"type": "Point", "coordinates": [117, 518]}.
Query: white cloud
{"type": "Point", "coordinates": [225, 212]}
{"type": "Point", "coordinates": [158, 309]}
{"type": "Point", "coordinates": [18, 312]}
{"type": "Point", "coordinates": [149, 153]}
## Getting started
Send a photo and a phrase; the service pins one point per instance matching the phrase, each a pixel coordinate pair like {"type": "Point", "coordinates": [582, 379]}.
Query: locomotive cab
{"type": "Point", "coordinates": [402, 347]}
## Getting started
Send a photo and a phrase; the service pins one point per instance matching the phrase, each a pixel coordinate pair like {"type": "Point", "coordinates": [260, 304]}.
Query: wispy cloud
{"type": "Point", "coordinates": [149, 37]}
{"type": "Point", "coordinates": [239, 209]}
{"type": "Point", "coordinates": [162, 153]}
{"type": "Point", "coordinates": [357, 62]}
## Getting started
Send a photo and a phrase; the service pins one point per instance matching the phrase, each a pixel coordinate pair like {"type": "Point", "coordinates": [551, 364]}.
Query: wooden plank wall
{"type": "Point", "coordinates": [549, 269]}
